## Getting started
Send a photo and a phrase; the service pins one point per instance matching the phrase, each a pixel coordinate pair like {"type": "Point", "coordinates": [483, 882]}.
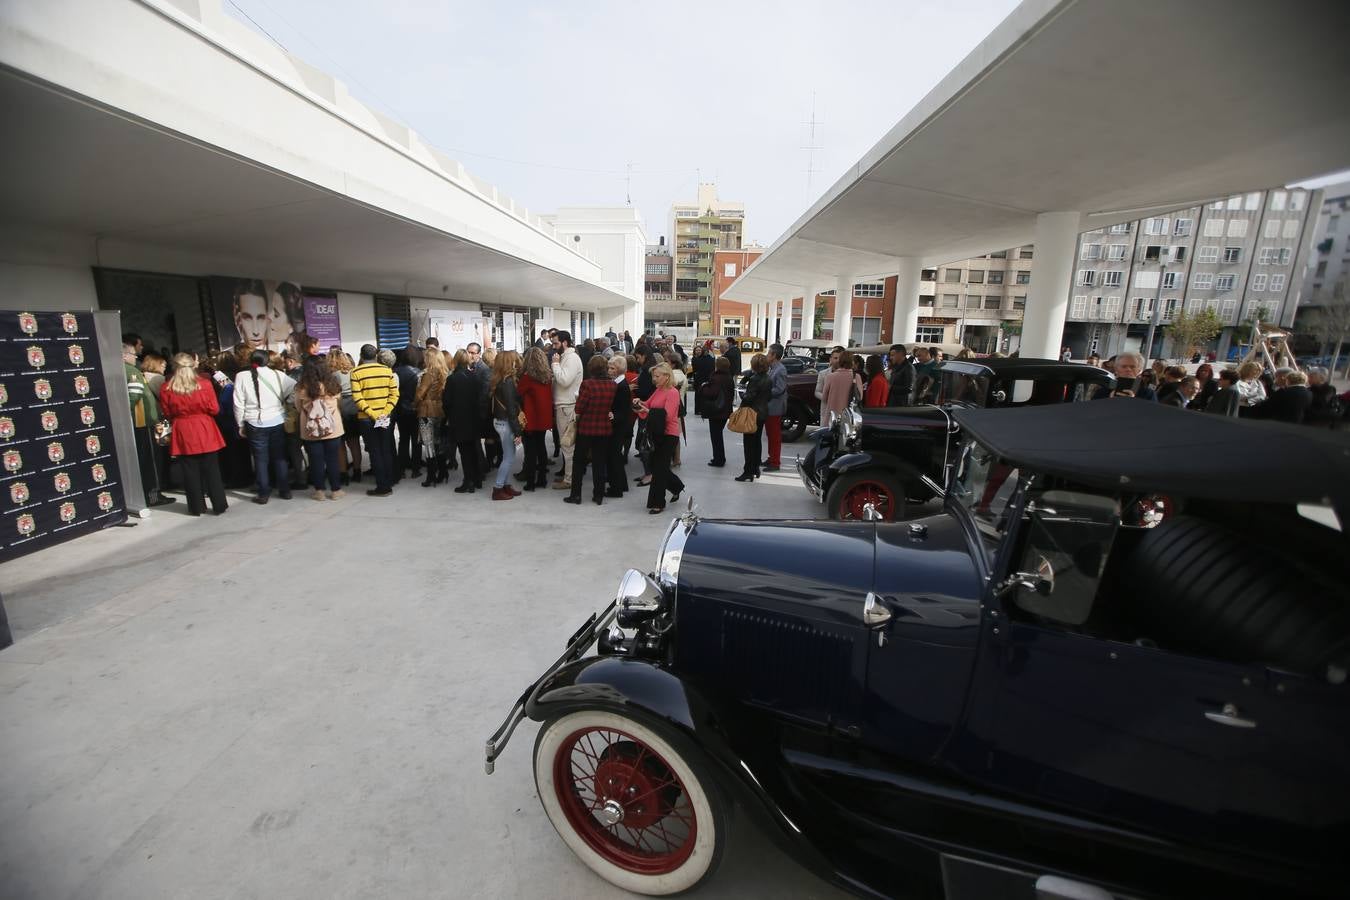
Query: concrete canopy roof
{"type": "Point", "coordinates": [1114, 110]}
{"type": "Point", "coordinates": [189, 141]}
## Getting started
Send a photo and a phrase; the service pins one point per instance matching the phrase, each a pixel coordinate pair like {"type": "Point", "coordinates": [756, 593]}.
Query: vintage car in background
{"type": "Point", "coordinates": [803, 406]}
{"type": "Point", "coordinates": [1105, 669]}
{"type": "Point", "coordinates": [819, 350]}
{"type": "Point", "coordinates": [872, 462]}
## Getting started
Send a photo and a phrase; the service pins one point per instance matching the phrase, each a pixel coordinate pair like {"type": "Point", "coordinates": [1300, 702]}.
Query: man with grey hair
{"type": "Point", "coordinates": [1129, 365]}
{"type": "Point", "coordinates": [603, 348]}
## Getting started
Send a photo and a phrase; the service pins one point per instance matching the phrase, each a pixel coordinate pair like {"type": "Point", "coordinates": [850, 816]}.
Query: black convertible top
{"type": "Point", "coordinates": [1137, 445]}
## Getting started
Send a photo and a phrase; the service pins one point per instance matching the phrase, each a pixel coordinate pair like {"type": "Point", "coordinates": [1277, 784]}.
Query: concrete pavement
{"type": "Point", "coordinates": [291, 700]}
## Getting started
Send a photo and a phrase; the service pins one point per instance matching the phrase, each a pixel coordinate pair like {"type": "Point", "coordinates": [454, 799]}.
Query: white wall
{"type": "Point", "coordinates": [356, 318]}
{"type": "Point", "coordinates": [50, 288]}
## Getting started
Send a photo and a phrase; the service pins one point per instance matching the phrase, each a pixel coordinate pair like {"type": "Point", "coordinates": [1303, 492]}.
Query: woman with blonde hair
{"type": "Point", "coordinates": [661, 410]}
{"type": "Point", "coordinates": [349, 462]}
{"type": "Point", "coordinates": [189, 402]}
{"type": "Point", "coordinates": [505, 403]}
{"type": "Point", "coordinates": [431, 416]}
{"type": "Point", "coordinates": [1251, 392]}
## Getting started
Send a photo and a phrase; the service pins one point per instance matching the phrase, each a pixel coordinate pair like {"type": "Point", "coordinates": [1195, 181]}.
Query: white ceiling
{"type": "Point", "coordinates": [76, 167]}
{"type": "Point", "coordinates": [1093, 106]}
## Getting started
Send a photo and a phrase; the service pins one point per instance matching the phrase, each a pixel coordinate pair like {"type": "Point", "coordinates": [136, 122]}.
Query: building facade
{"type": "Point", "coordinates": [729, 316]}
{"type": "Point", "coordinates": [1325, 280]}
{"type": "Point", "coordinates": [661, 308]}
{"type": "Point", "coordinates": [698, 229]}
{"type": "Point", "coordinates": [977, 302]}
{"type": "Point", "coordinates": [1237, 256]}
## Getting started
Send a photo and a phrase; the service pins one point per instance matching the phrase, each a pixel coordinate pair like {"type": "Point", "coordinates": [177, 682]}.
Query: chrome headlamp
{"type": "Point", "coordinates": [640, 598]}
{"type": "Point", "coordinates": [847, 423]}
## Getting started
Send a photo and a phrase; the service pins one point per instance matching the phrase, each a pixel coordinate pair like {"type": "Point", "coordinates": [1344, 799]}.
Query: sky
{"type": "Point", "coordinates": [553, 102]}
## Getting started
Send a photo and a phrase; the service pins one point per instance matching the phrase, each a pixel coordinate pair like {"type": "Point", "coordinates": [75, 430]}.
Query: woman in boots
{"type": "Point", "coordinates": [595, 427]}
{"type": "Point", "coordinates": [505, 403]}
{"type": "Point", "coordinates": [431, 416]}
{"type": "Point", "coordinates": [536, 396]}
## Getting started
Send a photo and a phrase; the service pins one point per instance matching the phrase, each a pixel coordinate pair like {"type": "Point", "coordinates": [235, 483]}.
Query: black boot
{"type": "Point", "coordinates": [433, 476]}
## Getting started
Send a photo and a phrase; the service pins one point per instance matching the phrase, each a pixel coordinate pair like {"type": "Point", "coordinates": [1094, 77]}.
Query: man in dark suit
{"type": "Point", "coordinates": [902, 377]}
{"type": "Point", "coordinates": [462, 404]}
{"type": "Point", "coordinates": [732, 351]}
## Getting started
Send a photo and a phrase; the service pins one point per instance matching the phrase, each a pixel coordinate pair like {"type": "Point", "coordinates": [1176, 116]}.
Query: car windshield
{"type": "Point", "coordinates": [985, 486]}
{"type": "Point", "coordinates": [968, 390]}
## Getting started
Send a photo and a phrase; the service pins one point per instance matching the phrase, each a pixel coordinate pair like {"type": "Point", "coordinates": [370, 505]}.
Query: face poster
{"type": "Point", "coordinates": [321, 320]}
{"type": "Point", "coordinates": [257, 312]}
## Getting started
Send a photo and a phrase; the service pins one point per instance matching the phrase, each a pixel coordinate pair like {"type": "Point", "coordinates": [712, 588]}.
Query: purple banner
{"type": "Point", "coordinates": [321, 321]}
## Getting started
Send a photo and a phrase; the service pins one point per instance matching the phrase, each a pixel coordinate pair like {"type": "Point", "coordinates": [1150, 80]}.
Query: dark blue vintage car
{"type": "Point", "coordinates": [1114, 665]}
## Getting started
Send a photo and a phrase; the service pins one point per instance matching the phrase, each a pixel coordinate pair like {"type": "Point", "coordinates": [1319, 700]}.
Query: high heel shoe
{"type": "Point", "coordinates": [655, 510]}
{"type": "Point", "coordinates": [745, 476]}
{"type": "Point", "coordinates": [675, 495]}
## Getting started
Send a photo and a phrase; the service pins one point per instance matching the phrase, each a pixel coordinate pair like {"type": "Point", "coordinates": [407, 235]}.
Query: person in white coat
{"type": "Point", "coordinates": [567, 373]}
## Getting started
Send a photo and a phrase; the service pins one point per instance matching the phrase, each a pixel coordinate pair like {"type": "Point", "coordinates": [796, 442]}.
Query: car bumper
{"type": "Point", "coordinates": [806, 471]}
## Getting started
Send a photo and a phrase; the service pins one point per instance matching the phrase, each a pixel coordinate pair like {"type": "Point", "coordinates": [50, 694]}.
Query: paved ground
{"type": "Point", "coordinates": [291, 701]}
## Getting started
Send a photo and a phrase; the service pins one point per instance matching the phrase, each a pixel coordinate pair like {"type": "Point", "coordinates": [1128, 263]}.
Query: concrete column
{"type": "Point", "coordinates": [808, 312]}
{"type": "Point", "coordinates": [756, 319]}
{"type": "Point", "coordinates": [1048, 299]}
{"type": "Point", "coordinates": [766, 323]}
{"type": "Point", "coordinates": [906, 321]}
{"type": "Point", "coordinates": [843, 309]}
{"type": "Point", "coordinates": [784, 322]}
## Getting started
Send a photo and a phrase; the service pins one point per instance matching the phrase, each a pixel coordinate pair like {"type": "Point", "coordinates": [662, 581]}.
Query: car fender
{"type": "Point", "coordinates": [758, 783]}
{"type": "Point", "coordinates": [852, 462]}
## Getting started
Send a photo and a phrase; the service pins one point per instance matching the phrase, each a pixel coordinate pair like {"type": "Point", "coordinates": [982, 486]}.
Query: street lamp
{"type": "Point", "coordinates": [1164, 257]}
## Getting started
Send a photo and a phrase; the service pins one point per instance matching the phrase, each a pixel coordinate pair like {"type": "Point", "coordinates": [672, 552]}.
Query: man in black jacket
{"type": "Point", "coordinates": [462, 403]}
{"type": "Point", "coordinates": [732, 352]}
{"type": "Point", "coordinates": [902, 377]}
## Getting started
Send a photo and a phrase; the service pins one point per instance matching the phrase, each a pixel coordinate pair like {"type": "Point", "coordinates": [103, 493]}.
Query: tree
{"type": "Point", "coordinates": [1330, 323]}
{"type": "Point", "coordinates": [817, 325]}
{"type": "Point", "coordinates": [1191, 333]}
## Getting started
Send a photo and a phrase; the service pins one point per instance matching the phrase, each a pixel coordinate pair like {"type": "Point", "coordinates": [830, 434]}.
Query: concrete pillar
{"type": "Point", "coordinates": [756, 319]}
{"type": "Point", "coordinates": [843, 309]}
{"type": "Point", "coordinates": [906, 321]}
{"type": "Point", "coordinates": [766, 323]}
{"type": "Point", "coordinates": [1048, 299]}
{"type": "Point", "coordinates": [808, 312]}
{"type": "Point", "coordinates": [784, 322]}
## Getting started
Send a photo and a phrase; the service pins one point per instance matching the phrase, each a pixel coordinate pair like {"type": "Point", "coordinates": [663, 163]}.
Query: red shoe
{"type": "Point", "coordinates": [501, 494]}
{"type": "Point", "coordinates": [512, 490]}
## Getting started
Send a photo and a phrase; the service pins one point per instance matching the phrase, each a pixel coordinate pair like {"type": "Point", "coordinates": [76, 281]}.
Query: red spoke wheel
{"type": "Point", "coordinates": [628, 803]}
{"type": "Point", "coordinates": [854, 493]}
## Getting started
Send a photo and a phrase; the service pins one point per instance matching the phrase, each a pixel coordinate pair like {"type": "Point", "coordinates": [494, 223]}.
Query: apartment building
{"type": "Point", "coordinates": [659, 306]}
{"type": "Point", "coordinates": [729, 316]}
{"type": "Point", "coordinates": [1236, 256]}
{"type": "Point", "coordinates": [698, 229]}
{"type": "Point", "coordinates": [1326, 267]}
{"type": "Point", "coordinates": [977, 302]}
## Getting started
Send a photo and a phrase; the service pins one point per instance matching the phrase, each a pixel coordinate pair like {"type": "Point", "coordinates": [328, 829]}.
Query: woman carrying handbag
{"type": "Point", "coordinates": [756, 401]}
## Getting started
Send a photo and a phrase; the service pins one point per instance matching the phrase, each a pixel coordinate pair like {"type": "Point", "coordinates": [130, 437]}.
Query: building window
{"type": "Point", "coordinates": [1111, 279]}
{"type": "Point", "coordinates": [1237, 228]}
{"type": "Point", "coordinates": [1143, 309]}
{"type": "Point", "coordinates": [729, 270]}
{"type": "Point", "coordinates": [1285, 254]}
{"type": "Point", "coordinates": [1290, 229]}
{"type": "Point", "coordinates": [1207, 255]}
{"type": "Point", "coordinates": [1277, 282]}
{"type": "Point", "coordinates": [1213, 228]}
{"type": "Point", "coordinates": [928, 275]}
{"type": "Point", "coordinates": [1277, 199]}
{"type": "Point", "coordinates": [1090, 251]}
{"type": "Point", "coordinates": [995, 277]}
{"type": "Point", "coordinates": [952, 276]}
{"type": "Point", "coordinates": [1122, 228]}
{"type": "Point", "coordinates": [1296, 200]}
{"type": "Point", "coordinates": [1232, 254]}
{"type": "Point", "coordinates": [1155, 226]}
{"type": "Point", "coordinates": [1266, 309]}
{"type": "Point", "coordinates": [658, 268]}
{"type": "Point", "coordinates": [1020, 301]}
{"type": "Point", "coordinates": [1235, 202]}
{"type": "Point", "coordinates": [1202, 281]}
{"type": "Point", "coordinates": [1193, 307]}
{"type": "Point", "coordinates": [976, 276]}
{"type": "Point", "coordinates": [866, 331]}
{"type": "Point", "coordinates": [1171, 281]}
{"type": "Point", "coordinates": [1259, 282]}
{"type": "Point", "coordinates": [1023, 276]}
{"type": "Point", "coordinates": [731, 327]}
{"type": "Point", "coordinates": [1253, 201]}
{"type": "Point", "coordinates": [1087, 277]}
{"type": "Point", "coordinates": [949, 301]}
{"type": "Point", "coordinates": [1025, 253]}
{"type": "Point", "coordinates": [1178, 254]}
{"type": "Point", "coordinates": [991, 302]}
{"type": "Point", "coordinates": [1266, 256]}
{"type": "Point", "coordinates": [1321, 271]}
{"type": "Point", "coordinates": [1078, 309]}
{"type": "Point", "coordinates": [929, 334]}
{"type": "Point", "coordinates": [869, 289]}
{"type": "Point", "coordinates": [1272, 228]}
{"type": "Point", "coordinates": [999, 254]}
{"type": "Point", "coordinates": [972, 301]}
{"type": "Point", "coordinates": [1153, 252]}
{"type": "Point", "coordinates": [1224, 282]}
{"type": "Point", "coordinates": [926, 299]}
{"type": "Point", "coordinates": [1181, 227]}
{"type": "Point", "coordinates": [1115, 251]}
{"type": "Point", "coordinates": [1228, 310]}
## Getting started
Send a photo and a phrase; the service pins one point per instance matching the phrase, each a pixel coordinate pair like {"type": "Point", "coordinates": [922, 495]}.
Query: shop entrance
{"type": "Point", "coordinates": [165, 310]}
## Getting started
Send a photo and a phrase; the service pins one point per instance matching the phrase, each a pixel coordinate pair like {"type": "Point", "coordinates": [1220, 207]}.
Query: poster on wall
{"type": "Point", "coordinates": [258, 312]}
{"type": "Point", "coordinates": [321, 320]}
{"type": "Point", "coordinates": [457, 330]}
{"type": "Point", "coordinates": [58, 473]}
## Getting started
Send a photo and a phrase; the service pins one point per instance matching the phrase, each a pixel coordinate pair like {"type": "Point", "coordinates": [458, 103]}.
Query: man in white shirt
{"type": "Point", "coordinates": [566, 385]}
{"type": "Point", "coordinates": [260, 398]}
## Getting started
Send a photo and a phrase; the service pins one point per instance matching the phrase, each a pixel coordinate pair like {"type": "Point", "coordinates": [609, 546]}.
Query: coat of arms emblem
{"type": "Point", "coordinates": [7, 429]}
{"type": "Point", "coordinates": [26, 524]}
{"type": "Point", "coordinates": [99, 472]}
{"type": "Point", "coordinates": [43, 389]}
{"type": "Point", "coordinates": [49, 422]}
{"type": "Point", "coordinates": [13, 460]}
{"type": "Point", "coordinates": [105, 502]}
{"type": "Point", "coordinates": [70, 323]}
{"type": "Point", "coordinates": [28, 323]}
{"type": "Point", "coordinates": [92, 444]}
{"type": "Point", "coordinates": [61, 482]}
{"type": "Point", "coordinates": [18, 493]}
{"type": "Point", "coordinates": [37, 357]}
{"type": "Point", "coordinates": [4, 395]}
{"type": "Point", "coordinates": [67, 512]}
{"type": "Point", "coordinates": [76, 353]}
{"type": "Point", "coordinates": [81, 385]}
{"type": "Point", "coordinates": [87, 415]}
{"type": "Point", "coordinates": [56, 451]}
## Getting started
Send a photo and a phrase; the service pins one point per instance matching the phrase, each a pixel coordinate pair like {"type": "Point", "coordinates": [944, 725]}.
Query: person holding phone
{"type": "Point", "coordinates": [1128, 368]}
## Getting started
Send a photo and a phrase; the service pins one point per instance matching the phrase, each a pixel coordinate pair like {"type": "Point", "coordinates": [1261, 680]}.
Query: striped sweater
{"type": "Point", "coordinates": [375, 390]}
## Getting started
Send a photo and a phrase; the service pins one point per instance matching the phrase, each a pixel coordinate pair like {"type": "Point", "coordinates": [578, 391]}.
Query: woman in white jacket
{"type": "Point", "coordinates": [260, 399]}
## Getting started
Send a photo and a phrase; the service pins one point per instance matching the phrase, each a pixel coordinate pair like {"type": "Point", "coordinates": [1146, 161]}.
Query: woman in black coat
{"type": "Point", "coordinates": [642, 390]}
{"type": "Point", "coordinates": [703, 365]}
{"type": "Point", "coordinates": [463, 420]}
{"type": "Point", "coordinates": [756, 397]}
{"type": "Point", "coordinates": [623, 428]}
{"type": "Point", "coordinates": [716, 396]}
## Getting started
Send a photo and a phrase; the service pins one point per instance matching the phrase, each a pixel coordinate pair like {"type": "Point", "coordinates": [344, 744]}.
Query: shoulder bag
{"type": "Point", "coordinates": [744, 421]}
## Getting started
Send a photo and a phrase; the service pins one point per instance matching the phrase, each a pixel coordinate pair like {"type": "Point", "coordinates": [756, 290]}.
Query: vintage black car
{"type": "Point", "coordinates": [1113, 665]}
{"type": "Point", "coordinates": [872, 462]}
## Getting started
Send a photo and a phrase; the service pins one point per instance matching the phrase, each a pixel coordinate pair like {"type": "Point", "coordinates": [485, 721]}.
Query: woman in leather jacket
{"type": "Point", "coordinates": [757, 398]}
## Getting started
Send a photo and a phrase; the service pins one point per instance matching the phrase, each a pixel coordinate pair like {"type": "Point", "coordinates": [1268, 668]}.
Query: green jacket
{"type": "Point", "coordinates": [144, 404]}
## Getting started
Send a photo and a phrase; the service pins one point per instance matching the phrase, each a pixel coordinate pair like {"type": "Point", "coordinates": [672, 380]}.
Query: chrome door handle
{"type": "Point", "coordinates": [1229, 716]}
{"type": "Point", "coordinates": [874, 611]}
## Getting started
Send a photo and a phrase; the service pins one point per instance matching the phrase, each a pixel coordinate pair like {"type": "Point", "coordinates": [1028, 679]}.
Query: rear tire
{"type": "Point", "coordinates": [642, 813]}
{"type": "Point", "coordinates": [852, 491]}
{"type": "Point", "coordinates": [794, 424]}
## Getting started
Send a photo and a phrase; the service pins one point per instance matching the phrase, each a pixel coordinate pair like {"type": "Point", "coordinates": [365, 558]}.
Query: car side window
{"type": "Point", "coordinates": [1068, 540]}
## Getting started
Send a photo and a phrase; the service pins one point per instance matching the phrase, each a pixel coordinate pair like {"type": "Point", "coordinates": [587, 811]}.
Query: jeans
{"type": "Point", "coordinates": [380, 447]}
{"type": "Point", "coordinates": [323, 460]}
{"type": "Point", "coordinates": [508, 442]}
{"type": "Point", "coordinates": [269, 449]}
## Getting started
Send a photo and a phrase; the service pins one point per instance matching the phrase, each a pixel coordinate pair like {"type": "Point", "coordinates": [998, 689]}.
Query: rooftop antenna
{"type": "Point", "coordinates": [628, 186]}
{"type": "Point", "coordinates": [811, 146]}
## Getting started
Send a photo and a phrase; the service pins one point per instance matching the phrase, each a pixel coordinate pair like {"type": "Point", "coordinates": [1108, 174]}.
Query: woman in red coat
{"type": "Point", "coordinates": [535, 387]}
{"type": "Point", "coordinates": [878, 388]}
{"type": "Point", "coordinates": [189, 403]}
